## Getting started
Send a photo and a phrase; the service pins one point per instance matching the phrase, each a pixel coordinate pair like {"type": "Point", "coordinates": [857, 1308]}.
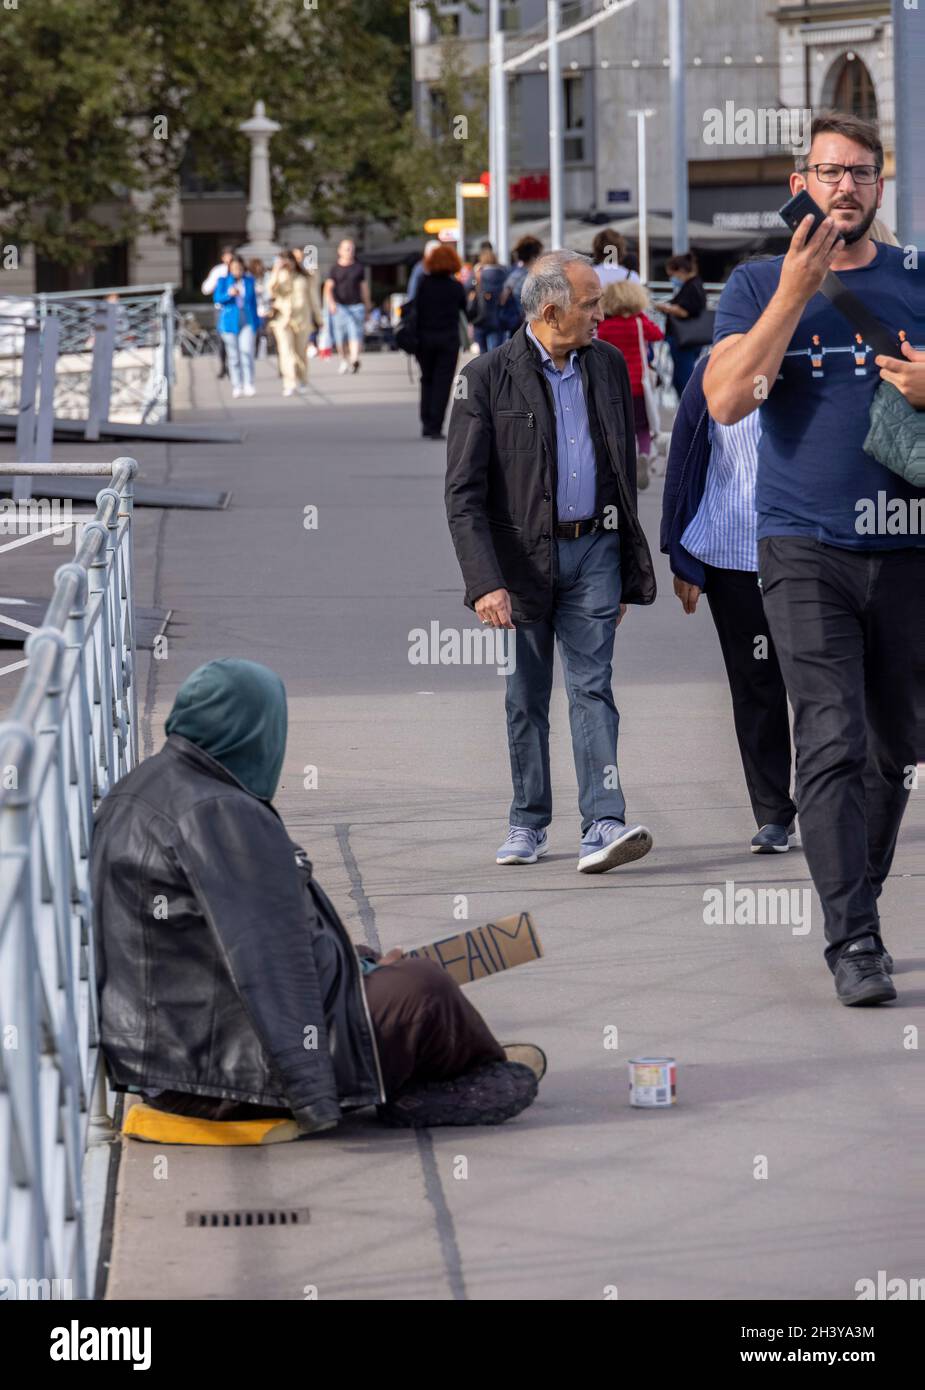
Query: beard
{"type": "Point", "coordinates": [860, 229]}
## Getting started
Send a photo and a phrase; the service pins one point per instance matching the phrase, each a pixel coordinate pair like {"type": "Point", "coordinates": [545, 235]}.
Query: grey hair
{"type": "Point", "coordinates": [548, 283]}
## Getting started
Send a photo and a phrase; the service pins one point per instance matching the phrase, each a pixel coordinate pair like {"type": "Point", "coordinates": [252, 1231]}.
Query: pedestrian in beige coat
{"type": "Point", "coordinates": [296, 311]}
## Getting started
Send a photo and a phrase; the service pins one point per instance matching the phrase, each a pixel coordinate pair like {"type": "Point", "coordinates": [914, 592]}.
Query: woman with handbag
{"type": "Point", "coordinates": [296, 309]}
{"type": "Point", "coordinates": [438, 308]}
{"type": "Point", "coordinates": [627, 327]}
{"type": "Point", "coordinates": [687, 305]}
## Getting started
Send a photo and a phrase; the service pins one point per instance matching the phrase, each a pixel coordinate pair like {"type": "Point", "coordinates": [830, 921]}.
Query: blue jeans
{"type": "Point", "coordinates": [684, 360]}
{"type": "Point", "coordinates": [488, 339]}
{"type": "Point", "coordinates": [239, 348]}
{"type": "Point", "coordinates": [348, 323]}
{"type": "Point", "coordinates": [583, 621]}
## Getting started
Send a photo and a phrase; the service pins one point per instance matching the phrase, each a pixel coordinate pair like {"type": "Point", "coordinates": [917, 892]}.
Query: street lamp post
{"type": "Point", "coordinates": [908, 66]}
{"type": "Point", "coordinates": [494, 24]}
{"type": "Point", "coordinates": [679, 228]}
{"type": "Point", "coordinates": [642, 192]}
{"type": "Point", "coordinates": [556, 218]}
{"type": "Point", "coordinates": [500, 168]}
{"type": "Point", "coordinates": [460, 222]}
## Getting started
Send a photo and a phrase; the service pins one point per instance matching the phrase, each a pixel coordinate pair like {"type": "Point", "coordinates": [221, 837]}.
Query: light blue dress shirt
{"type": "Point", "coordinates": [576, 464]}
{"type": "Point", "coordinates": [723, 532]}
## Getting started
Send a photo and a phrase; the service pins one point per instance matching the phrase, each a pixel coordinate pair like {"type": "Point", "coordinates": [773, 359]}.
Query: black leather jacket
{"type": "Point", "coordinates": [222, 967]}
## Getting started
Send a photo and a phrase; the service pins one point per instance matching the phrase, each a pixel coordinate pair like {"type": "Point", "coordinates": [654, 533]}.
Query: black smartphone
{"type": "Point", "coordinates": [798, 207]}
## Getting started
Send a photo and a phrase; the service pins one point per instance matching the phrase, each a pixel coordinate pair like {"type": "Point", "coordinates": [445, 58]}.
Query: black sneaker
{"type": "Point", "coordinates": [860, 975]}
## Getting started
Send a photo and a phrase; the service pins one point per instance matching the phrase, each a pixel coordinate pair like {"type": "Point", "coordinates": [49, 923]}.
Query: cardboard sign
{"type": "Point", "coordinates": [483, 951]}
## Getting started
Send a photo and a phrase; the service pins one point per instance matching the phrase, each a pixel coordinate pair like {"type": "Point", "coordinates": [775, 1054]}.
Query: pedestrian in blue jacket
{"type": "Point", "coordinates": [238, 324]}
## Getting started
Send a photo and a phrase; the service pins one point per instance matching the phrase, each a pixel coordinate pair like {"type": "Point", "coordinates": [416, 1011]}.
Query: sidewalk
{"type": "Point", "coordinates": [581, 1193]}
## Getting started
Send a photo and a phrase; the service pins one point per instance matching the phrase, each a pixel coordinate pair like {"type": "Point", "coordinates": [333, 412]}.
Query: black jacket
{"type": "Point", "coordinates": [439, 301]}
{"type": "Point", "coordinates": [217, 954]}
{"type": "Point", "coordinates": [501, 473]}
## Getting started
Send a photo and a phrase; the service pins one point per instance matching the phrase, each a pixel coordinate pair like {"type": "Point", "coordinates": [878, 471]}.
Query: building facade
{"type": "Point", "coordinates": [750, 64]}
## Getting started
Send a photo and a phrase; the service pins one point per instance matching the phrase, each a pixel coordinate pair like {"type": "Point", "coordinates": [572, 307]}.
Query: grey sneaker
{"type": "Point", "coordinates": [607, 843]}
{"type": "Point", "coordinates": [522, 846]}
{"type": "Point", "coordinates": [774, 839]}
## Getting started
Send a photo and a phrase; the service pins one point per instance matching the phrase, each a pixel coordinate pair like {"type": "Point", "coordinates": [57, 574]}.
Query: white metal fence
{"type": "Point", "coordinates": [71, 733]}
{"type": "Point", "coordinates": [129, 382]}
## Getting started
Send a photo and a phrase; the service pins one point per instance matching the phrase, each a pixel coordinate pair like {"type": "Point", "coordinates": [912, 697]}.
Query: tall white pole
{"type": "Point", "coordinates": [461, 222]}
{"type": "Point", "coordinates": [494, 28]}
{"type": "Point", "coordinates": [908, 59]}
{"type": "Point", "coordinates": [502, 200]}
{"type": "Point", "coordinates": [679, 231]}
{"type": "Point", "coordinates": [643, 195]}
{"type": "Point", "coordinates": [556, 217]}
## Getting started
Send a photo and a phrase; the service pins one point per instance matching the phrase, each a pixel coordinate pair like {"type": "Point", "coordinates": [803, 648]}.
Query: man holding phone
{"type": "Point", "coordinates": [845, 607]}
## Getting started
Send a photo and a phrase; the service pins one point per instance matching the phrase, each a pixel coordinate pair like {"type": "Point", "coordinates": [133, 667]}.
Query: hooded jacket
{"type": "Point", "coordinates": [222, 968]}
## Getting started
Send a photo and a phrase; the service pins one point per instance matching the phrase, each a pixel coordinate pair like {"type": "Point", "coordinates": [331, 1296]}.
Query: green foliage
{"type": "Point", "coordinates": [89, 84]}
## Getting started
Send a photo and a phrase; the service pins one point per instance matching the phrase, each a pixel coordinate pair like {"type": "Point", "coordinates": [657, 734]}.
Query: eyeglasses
{"type": "Point", "coordinates": [834, 173]}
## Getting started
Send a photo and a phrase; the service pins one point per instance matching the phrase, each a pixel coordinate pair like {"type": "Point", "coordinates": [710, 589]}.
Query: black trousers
{"type": "Point", "coordinates": [438, 367]}
{"type": "Point", "coordinates": [849, 628]}
{"type": "Point", "coordinates": [759, 697]}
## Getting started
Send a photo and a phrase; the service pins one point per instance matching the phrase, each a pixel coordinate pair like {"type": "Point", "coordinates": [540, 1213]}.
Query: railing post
{"type": "Point", "coordinates": [126, 556]}
{"type": "Point", "coordinates": [59, 980]}
{"type": "Point", "coordinates": [26, 418]}
{"type": "Point", "coordinates": [104, 346]}
{"type": "Point", "coordinates": [24, 1222]}
{"type": "Point", "coordinates": [100, 693]}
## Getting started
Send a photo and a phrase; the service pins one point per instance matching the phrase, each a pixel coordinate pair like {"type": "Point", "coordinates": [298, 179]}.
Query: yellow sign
{"type": "Point", "coordinates": [440, 224]}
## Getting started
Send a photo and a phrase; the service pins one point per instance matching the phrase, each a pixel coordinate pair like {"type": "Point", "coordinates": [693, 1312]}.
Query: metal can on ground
{"type": "Point", "coordinates": [653, 1081]}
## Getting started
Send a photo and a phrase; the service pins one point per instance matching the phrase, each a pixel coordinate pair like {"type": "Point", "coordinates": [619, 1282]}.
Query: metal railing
{"type": "Point", "coordinates": [71, 733]}
{"type": "Point", "coordinates": [138, 322]}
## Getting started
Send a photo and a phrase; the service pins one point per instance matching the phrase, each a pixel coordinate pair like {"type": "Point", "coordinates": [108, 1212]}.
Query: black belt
{"type": "Point", "coordinates": [571, 530]}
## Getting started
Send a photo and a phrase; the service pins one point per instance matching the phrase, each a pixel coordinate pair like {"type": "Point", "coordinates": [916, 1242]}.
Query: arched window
{"type": "Point", "coordinates": [853, 89]}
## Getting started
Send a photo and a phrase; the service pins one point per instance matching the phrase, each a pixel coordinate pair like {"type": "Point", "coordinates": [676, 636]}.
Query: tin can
{"type": "Point", "coordinates": [653, 1081]}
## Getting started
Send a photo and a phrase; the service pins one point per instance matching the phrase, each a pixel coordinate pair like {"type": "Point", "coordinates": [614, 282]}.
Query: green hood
{"type": "Point", "coordinates": [236, 712]}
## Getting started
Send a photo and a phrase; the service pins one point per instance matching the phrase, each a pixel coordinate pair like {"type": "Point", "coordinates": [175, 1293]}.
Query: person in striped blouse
{"type": "Point", "coordinates": [709, 530]}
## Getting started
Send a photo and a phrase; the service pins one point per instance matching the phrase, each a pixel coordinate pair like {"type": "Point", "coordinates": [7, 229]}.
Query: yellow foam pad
{"type": "Point", "coordinates": [158, 1127]}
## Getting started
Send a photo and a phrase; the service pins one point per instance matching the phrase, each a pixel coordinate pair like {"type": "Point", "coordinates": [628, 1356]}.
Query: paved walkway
{"type": "Point", "coordinates": [581, 1193]}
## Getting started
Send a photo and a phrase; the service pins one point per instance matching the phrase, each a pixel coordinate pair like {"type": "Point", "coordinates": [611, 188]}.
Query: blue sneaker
{"type": "Point", "coordinates": [607, 843]}
{"type": "Point", "coordinates": [522, 846]}
{"type": "Point", "coordinates": [774, 839]}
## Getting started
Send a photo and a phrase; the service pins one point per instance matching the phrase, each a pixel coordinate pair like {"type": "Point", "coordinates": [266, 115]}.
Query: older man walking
{"type": "Point", "coordinates": [541, 502]}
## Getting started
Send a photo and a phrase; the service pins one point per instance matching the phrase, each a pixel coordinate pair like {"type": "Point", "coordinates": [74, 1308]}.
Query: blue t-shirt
{"type": "Point", "coordinates": [812, 468]}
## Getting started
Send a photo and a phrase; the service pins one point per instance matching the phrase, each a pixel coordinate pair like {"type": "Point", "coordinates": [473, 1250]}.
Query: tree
{"type": "Point", "coordinates": [105, 99]}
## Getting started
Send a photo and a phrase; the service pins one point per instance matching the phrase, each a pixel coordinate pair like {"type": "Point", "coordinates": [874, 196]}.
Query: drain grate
{"type": "Point", "coordinates": [273, 1216]}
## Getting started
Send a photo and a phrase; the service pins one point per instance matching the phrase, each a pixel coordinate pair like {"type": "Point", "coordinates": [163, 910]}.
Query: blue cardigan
{"type": "Point", "coordinates": [686, 477]}
{"type": "Point", "coordinates": [228, 318]}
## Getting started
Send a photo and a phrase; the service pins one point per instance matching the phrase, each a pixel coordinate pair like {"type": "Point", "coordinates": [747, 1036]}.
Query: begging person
{"type": "Point", "coordinates": [229, 988]}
